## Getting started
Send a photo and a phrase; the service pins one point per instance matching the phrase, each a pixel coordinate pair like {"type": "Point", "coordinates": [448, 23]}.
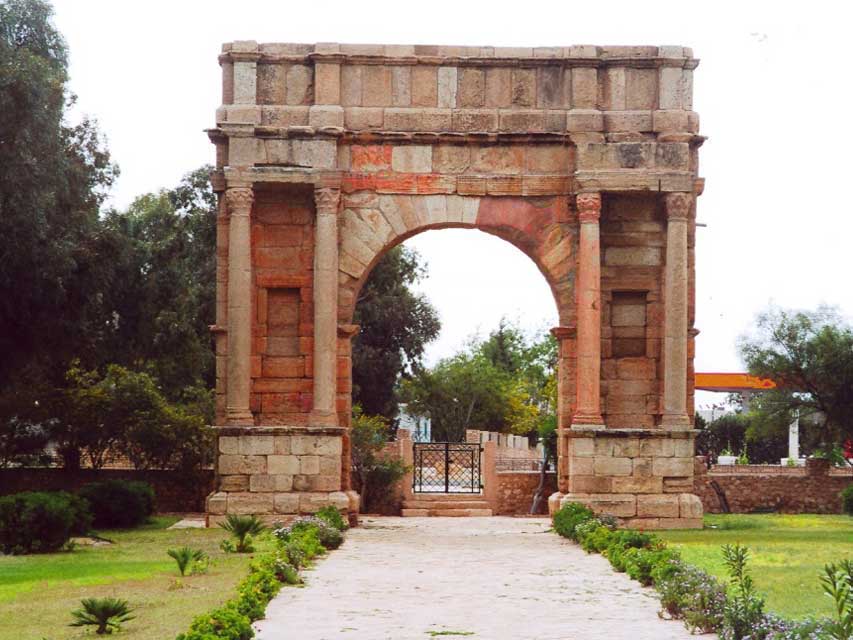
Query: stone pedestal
{"type": "Point", "coordinates": [278, 472]}
{"type": "Point", "coordinates": [643, 477]}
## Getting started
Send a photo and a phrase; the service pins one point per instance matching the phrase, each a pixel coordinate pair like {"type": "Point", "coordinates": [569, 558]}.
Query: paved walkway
{"type": "Point", "coordinates": [494, 578]}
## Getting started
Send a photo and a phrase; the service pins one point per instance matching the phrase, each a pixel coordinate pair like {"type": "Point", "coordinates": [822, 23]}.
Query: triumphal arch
{"type": "Point", "coordinates": [583, 157]}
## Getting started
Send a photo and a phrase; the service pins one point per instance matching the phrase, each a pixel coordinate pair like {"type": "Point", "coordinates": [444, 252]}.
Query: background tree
{"type": "Point", "coordinates": [809, 354]}
{"type": "Point", "coordinates": [396, 324]}
{"type": "Point", "coordinates": [53, 179]}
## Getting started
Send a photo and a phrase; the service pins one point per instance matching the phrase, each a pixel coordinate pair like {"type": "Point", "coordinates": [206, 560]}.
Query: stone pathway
{"type": "Point", "coordinates": [494, 578]}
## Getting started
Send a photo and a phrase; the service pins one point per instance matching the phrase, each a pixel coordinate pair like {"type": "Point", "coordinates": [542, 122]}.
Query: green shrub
{"type": "Point", "coordinates": [847, 500]}
{"type": "Point", "coordinates": [744, 608]}
{"type": "Point", "coordinates": [691, 594]}
{"type": "Point", "coordinates": [593, 537]}
{"type": "Point", "coordinates": [106, 614]}
{"type": "Point", "coordinates": [225, 623]}
{"type": "Point", "coordinates": [257, 589]}
{"type": "Point", "coordinates": [333, 517]}
{"type": "Point", "coordinates": [40, 522]}
{"type": "Point", "coordinates": [119, 503]}
{"type": "Point", "coordinates": [641, 563]}
{"type": "Point", "coordinates": [569, 517]}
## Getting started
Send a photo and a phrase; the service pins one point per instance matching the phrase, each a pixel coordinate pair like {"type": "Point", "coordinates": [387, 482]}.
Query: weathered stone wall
{"type": "Point", "coordinates": [751, 488]}
{"type": "Point", "coordinates": [176, 492]}
{"type": "Point", "coordinates": [516, 489]}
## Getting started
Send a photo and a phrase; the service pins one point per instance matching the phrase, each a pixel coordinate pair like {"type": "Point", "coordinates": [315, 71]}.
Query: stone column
{"type": "Point", "coordinates": [325, 306]}
{"type": "Point", "coordinates": [588, 405]}
{"type": "Point", "coordinates": [675, 313]}
{"type": "Point", "coordinates": [239, 204]}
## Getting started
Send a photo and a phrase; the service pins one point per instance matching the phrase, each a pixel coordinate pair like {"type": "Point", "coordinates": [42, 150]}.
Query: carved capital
{"type": "Point", "coordinates": [326, 200]}
{"type": "Point", "coordinates": [589, 207]}
{"type": "Point", "coordinates": [678, 205]}
{"type": "Point", "coordinates": [239, 200]}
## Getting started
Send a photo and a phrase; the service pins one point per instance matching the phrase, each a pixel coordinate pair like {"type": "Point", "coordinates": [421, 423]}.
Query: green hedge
{"type": "Point", "coordinates": [40, 522]}
{"type": "Point", "coordinates": [119, 503]}
{"type": "Point", "coordinates": [295, 547]}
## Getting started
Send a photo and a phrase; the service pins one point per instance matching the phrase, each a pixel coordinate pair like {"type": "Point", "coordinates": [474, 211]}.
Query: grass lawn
{"type": "Point", "coordinates": [787, 552]}
{"type": "Point", "coordinates": [38, 592]}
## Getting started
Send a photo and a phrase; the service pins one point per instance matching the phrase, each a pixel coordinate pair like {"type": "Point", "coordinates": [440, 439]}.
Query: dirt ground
{"type": "Point", "coordinates": [495, 578]}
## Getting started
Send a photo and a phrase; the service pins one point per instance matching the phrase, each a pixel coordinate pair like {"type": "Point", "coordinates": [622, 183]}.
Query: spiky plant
{"type": "Point", "coordinates": [242, 528]}
{"type": "Point", "coordinates": [107, 614]}
{"type": "Point", "coordinates": [186, 557]}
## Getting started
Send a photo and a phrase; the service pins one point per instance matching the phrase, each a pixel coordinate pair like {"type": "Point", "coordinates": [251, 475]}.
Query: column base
{"type": "Point", "coordinates": [240, 418]}
{"type": "Point", "coordinates": [581, 420]}
{"type": "Point", "coordinates": [323, 419]}
{"type": "Point", "coordinates": [554, 503]}
{"type": "Point", "coordinates": [676, 422]}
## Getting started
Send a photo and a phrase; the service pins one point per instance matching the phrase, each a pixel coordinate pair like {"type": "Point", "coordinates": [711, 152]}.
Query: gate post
{"type": "Point", "coordinates": [489, 473]}
{"type": "Point", "coordinates": [407, 454]}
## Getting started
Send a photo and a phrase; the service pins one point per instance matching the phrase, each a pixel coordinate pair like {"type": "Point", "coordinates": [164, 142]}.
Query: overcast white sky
{"type": "Point", "coordinates": [773, 90]}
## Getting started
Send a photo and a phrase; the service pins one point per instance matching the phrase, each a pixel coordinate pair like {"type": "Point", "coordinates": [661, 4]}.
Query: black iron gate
{"type": "Point", "coordinates": [446, 467]}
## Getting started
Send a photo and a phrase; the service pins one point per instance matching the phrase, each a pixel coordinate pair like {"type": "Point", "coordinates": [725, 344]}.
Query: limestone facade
{"type": "Point", "coordinates": [585, 158]}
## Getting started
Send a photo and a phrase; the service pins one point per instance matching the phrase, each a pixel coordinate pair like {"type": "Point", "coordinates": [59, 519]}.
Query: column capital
{"type": "Point", "coordinates": [239, 200]}
{"type": "Point", "coordinates": [678, 205]}
{"type": "Point", "coordinates": [588, 206]}
{"type": "Point", "coordinates": [326, 200]}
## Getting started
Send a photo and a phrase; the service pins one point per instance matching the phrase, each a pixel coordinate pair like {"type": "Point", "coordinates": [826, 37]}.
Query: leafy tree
{"type": "Point", "coordinates": [164, 295]}
{"type": "Point", "coordinates": [396, 324]}
{"type": "Point", "coordinates": [373, 470]}
{"type": "Point", "coordinates": [53, 179]}
{"type": "Point", "coordinates": [809, 354]}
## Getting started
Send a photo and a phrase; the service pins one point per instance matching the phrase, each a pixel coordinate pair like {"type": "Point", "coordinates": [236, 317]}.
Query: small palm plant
{"type": "Point", "coordinates": [243, 528]}
{"type": "Point", "coordinates": [187, 559]}
{"type": "Point", "coordinates": [107, 614]}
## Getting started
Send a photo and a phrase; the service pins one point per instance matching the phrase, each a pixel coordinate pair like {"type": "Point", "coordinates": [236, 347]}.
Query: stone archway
{"type": "Point", "coordinates": [583, 157]}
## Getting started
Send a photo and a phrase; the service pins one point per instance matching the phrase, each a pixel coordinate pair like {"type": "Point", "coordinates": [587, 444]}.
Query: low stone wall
{"type": "Point", "coordinates": [515, 492]}
{"type": "Point", "coordinates": [755, 488]}
{"type": "Point", "coordinates": [176, 492]}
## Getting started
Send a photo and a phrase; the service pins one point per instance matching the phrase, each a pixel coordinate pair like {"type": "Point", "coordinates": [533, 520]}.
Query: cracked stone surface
{"type": "Point", "coordinates": [405, 578]}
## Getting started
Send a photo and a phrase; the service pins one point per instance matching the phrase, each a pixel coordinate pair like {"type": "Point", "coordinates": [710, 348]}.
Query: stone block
{"type": "Point", "coordinates": [256, 445]}
{"type": "Point", "coordinates": [679, 467]}
{"type": "Point", "coordinates": [234, 483]}
{"type": "Point", "coordinates": [401, 86]}
{"type": "Point", "coordinates": [299, 85]}
{"type": "Point", "coordinates": [677, 485]}
{"type": "Point", "coordinates": [327, 83]}
{"type": "Point", "coordinates": [498, 159]}
{"type": "Point", "coordinates": [523, 87]}
{"type": "Point", "coordinates": [639, 121]}
{"type": "Point", "coordinates": [324, 483]}
{"type": "Point", "coordinates": [584, 120]}
{"type": "Point", "coordinates": [549, 88]}
{"type": "Point", "coordinates": [498, 87]}
{"type": "Point", "coordinates": [672, 155]}
{"type": "Point", "coordinates": [282, 464]}
{"type": "Point", "coordinates": [667, 121]}
{"type": "Point", "coordinates": [634, 484]}
{"type": "Point", "coordinates": [330, 465]}
{"type": "Point", "coordinates": [641, 89]}
{"type": "Point", "coordinates": [279, 116]}
{"type": "Point", "coordinates": [475, 120]}
{"type": "Point", "coordinates": [281, 445]}
{"type": "Point", "coordinates": [671, 87]}
{"type": "Point", "coordinates": [437, 120]}
{"type": "Point", "coordinates": [239, 464]}
{"type": "Point", "coordinates": [632, 256]}
{"type": "Point", "coordinates": [626, 447]}
{"type": "Point", "coordinates": [658, 506]}
{"type": "Point", "coordinates": [582, 446]}
{"type": "Point", "coordinates": [583, 466]}
{"type": "Point", "coordinates": [351, 85]}
{"type": "Point", "coordinates": [584, 88]}
{"type": "Point", "coordinates": [309, 465]}
{"type": "Point", "coordinates": [590, 484]}
{"type": "Point", "coordinates": [250, 503]}
{"type": "Point", "coordinates": [363, 118]}
{"type": "Point", "coordinates": [412, 159]}
{"type": "Point", "coordinates": [657, 447]}
{"type": "Point", "coordinates": [612, 466]}
{"type": "Point", "coordinates": [550, 158]}
{"type": "Point", "coordinates": [618, 505]}
{"type": "Point", "coordinates": [261, 483]}
{"type": "Point", "coordinates": [376, 86]}
{"type": "Point", "coordinates": [286, 503]}
{"type": "Point", "coordinates": [229, 444]}
{"type": "Point", "coordinates": [642, 467]}
{"type": "Point", "coordinates": [531, 121]}
{"type": "Point", "coordinates": [216, 503]}
{"type": "Point", "coordinates": [683, 447]}
{"type": "Point", "coordinates": [325, 116]}
{"type": "Point", "coordinates": [447, 87]}
{"type": "Point", "coordinates": [313, 502]}
{"type": "Point", "coordinates": [245, 82]}
{"type": "Point", "coordinates": [424, 86]}
{"type": "Point", "coordinates": [245, 152]}
{"type": "Point", "coordinates": [316, 445]}
{"type": "Point", "coordinates": [450, 158]}
{"type": "Point", "coordinates": [689, 506]}
{"type": "Point", "coordinates": [343, 501]}
{"type": "Point", "coordinates": [472, 87]}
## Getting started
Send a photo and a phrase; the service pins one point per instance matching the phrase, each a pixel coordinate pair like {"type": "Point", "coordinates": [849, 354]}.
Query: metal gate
{"type": "Point", "coordinates": [446, 467]}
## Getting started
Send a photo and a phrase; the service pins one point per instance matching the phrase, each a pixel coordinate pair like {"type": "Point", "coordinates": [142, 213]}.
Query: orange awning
{"type": "Point", "coordinates": [732, 382]}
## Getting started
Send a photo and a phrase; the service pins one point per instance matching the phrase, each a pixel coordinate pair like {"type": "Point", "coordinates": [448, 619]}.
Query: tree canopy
{"type": "Point", "coordinates": [809, 354]}
{"type": "Point", "coordinates": [396, 325]}
{"type": "Point", "coordinates": [506, 382]}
